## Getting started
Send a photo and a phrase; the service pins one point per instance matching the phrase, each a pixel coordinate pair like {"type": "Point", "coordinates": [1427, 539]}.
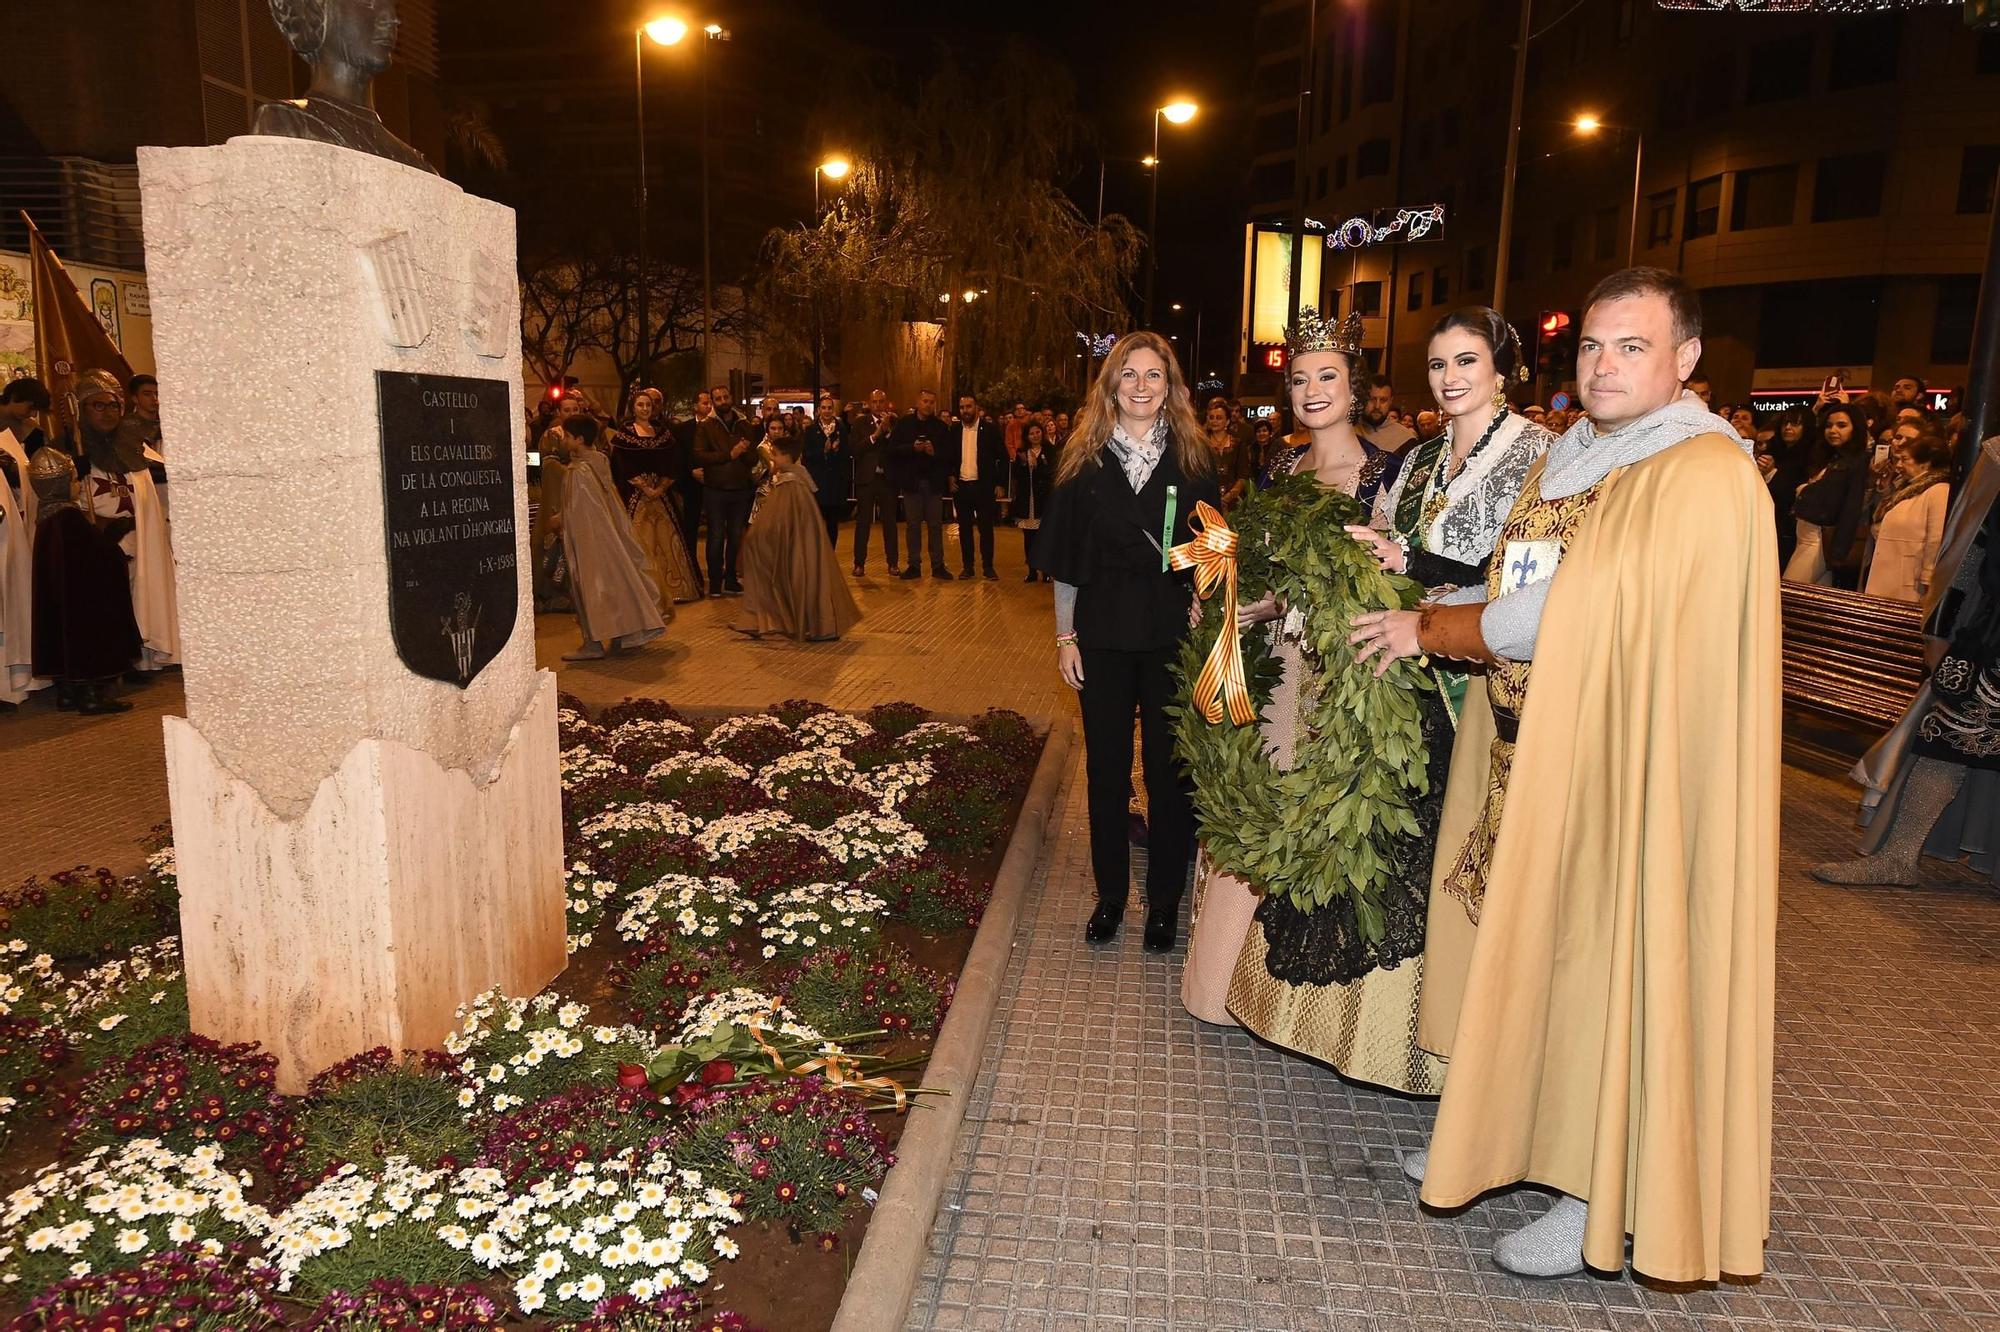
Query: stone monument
{"type": "Point", "coordinates": [365, 791]}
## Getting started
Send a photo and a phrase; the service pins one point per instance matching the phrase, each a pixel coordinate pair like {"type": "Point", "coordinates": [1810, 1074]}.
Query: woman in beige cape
{"type": "Point", "coordinates": [617, 601]}
{"type": "Point", "coordinates": [791, 585]}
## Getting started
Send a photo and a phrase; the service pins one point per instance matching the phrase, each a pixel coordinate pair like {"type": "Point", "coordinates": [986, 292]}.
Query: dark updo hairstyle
{"type": "Point", "coordinates": [1486, 324]}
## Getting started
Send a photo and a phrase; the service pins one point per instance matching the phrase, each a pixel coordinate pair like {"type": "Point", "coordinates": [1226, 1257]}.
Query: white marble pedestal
{"type": "Point", "coordinates": [359, 848]}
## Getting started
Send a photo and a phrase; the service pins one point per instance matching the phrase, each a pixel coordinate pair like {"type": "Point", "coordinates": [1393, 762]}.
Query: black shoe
{"type": "Point", "coordinates": [94, 702]}
{"type": "Point", "coordinates": [909, 575]}
{"type": "Point", "coordinates": [732, 589]}
{"type": "Point", "coordinates": [1030, 578]}
{"type": "Point", "coordinates": [1104, 921]}
{"type": "Point", "coordinates": [65, 697]}
{"type": "Point", "coordinates": [1160, 932]}
{"type": "Point", "coordinates": [966, 573]}
{"type": "Point", "coordinates": [991, 574]}
{"type": "Point", "coordinates": [859, 572]}
{"type": "Point", "coordinates": [944, 573]}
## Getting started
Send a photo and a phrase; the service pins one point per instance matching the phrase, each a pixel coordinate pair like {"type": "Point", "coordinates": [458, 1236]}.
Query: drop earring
{"type": "Point", "coordinates": [1500, 396]}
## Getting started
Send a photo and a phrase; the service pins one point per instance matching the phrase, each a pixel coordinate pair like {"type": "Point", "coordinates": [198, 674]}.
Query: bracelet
{"type": "Point", "coordinates": [1065, 640]}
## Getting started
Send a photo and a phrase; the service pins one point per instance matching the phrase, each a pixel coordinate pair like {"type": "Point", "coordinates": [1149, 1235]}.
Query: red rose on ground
{"type": "Point", "coordinates": [716, 1072]}
{"type": "Point", "coordinates": [631, 1075]}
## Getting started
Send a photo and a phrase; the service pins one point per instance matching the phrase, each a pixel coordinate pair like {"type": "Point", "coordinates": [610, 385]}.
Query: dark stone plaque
{"type": "Point", "coordinates": [448, 516]}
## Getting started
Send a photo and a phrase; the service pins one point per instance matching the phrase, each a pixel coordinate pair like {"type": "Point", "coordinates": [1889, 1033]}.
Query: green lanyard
{"type": "Point", "coordinates": [1167, 532]}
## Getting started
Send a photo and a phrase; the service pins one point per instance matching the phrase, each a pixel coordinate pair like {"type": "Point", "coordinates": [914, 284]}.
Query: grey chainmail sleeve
{"type": "Point", "coordinates": [1065, 608]}
{"type": "Point", "coordinates": [1510, 623]}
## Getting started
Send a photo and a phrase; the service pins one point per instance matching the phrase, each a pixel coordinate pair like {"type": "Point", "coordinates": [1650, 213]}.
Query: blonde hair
{"type": "Point", "coordinates": [1099, 412]}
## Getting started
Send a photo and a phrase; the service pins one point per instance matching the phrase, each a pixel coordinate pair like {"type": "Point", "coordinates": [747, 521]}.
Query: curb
{"type": "Point", "coordinates": [884, 1279]}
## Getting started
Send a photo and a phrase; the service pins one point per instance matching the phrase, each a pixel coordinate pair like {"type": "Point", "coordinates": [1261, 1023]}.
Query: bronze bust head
{"type": "Point", "coordinates": [347, 43]}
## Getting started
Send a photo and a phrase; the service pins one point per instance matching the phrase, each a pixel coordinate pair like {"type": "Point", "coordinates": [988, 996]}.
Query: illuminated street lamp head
{"type": "Point", "coordinates": [714, 30]}
{"type": "Point", "coordinates": [1180, 113]}
{"type": "Point", "coordinates": [835, 168]}
{"type": "Point", "coordinates": [971, 296]}
{"type": "Point", "coordinates": [1149, 161]}
{"type": "Point", "coordinates": [666, 31]}
{"type": "Point", "coordinates": [1588, 124]}
{"type": "Point", "coordinates": [1177, 307]}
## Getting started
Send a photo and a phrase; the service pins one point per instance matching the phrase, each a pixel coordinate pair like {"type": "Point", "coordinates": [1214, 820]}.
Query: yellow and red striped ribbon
{"type": "Point", "coordinates": [1212, 556]}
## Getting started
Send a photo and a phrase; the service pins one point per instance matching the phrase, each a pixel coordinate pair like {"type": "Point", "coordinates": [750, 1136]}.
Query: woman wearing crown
{"type": "Point", "coordinates": [1226, 979]}
{"type": "Point", "coordinates": [1438, 521]}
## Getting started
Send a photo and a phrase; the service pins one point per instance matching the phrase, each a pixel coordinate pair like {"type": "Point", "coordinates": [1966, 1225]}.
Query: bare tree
{"type": "Point", "coordinates": [954, 214]}
{"type": "Point", "coordinates": [571, 305]}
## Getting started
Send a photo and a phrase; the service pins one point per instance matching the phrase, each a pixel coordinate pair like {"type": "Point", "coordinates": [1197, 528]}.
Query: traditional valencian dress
{"type": "Point", "coordinates": [1302, 979]}
{"type": "Point", "coordinates": [791, 584]}
{"type": "Point", "coordinates": [1614, 1040]}
{"type": "Point", "coordinates": [617, 602]}
{"type": "Point", "coordinates": [649, 460]}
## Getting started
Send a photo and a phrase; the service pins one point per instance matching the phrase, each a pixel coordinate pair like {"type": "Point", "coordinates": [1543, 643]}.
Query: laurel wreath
{"type": "Point", "coordinates": [1328, 827]}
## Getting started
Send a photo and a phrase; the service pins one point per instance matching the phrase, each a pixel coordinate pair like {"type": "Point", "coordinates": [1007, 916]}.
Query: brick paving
{"type": "Point", "coordinates": [1124, 1168]}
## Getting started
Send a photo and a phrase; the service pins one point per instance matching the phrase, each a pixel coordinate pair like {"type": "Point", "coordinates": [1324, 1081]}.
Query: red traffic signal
{"type": "Point", "coordinates": [555, 392]}
{"type": "Point", "coordinates": [1555, 321]}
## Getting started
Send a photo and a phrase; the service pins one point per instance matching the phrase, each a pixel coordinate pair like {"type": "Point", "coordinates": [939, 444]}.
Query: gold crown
{"type": "Point", "coordinates": [1313, 334]}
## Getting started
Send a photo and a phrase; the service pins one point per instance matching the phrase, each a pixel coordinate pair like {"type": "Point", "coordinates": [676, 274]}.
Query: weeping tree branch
{"type": "Point", "coordinates": [957, 192]}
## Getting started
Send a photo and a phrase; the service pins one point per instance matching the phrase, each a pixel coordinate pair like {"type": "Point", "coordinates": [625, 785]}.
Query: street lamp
{"type": "Point", "coordinates": [834, 168]}
{"type": "Point", "coordinates": [1177, 112]}
{"type": "Point", "coordinates": [1588, 124]}
{"type": "Point", "coordinates": [663, 32]}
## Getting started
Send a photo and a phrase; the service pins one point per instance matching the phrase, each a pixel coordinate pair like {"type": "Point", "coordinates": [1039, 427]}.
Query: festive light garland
{"type": "Point", "coordinates": [1412, 223]}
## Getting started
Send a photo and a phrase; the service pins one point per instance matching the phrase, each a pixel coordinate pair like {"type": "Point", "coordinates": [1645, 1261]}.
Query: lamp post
{"type": "Point", "coordinates": [1587, 125]}
{"type": "Point", "coordinates": [665, 32]}
{"type": "Point", "coordinates": [1504, 247]}
{"type": "Point", "coordinates": [1177, 113]}
{"type": "Point", "coordinates": [834, 168]}
{"type": "Point", "coordinates": [1195, 360]}
{"type": "Point", "coordinates": [713, 32]}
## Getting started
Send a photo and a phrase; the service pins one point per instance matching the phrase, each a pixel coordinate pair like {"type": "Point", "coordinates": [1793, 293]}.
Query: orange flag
{"type": "Point", "coordinates": [68, 338]}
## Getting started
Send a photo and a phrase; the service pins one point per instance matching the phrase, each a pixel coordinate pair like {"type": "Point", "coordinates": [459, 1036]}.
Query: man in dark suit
{"type": "Point", "coordinates": [978, 480]}
{"type": "Point", "coordinates": [723, 458]}
{"type": "Point", "coordinates": [921, 452]}
{"type": "Point", "coordinates": [874, 491]}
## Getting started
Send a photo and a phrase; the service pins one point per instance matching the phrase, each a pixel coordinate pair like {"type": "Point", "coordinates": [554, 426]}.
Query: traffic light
{"type": "Point", "coordinates": [1555, 346]}
{"type": "Point", "coordinates": [753, 386]}
{"type": "Point", "coordinates": [555, 394]}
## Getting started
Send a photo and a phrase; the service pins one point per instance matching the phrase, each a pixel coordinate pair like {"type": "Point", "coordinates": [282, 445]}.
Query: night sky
{"type": "Point", "coordinates": [556, 83]}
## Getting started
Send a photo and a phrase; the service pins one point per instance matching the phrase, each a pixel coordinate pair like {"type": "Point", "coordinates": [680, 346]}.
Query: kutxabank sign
{"type": "Point", "coordinates": [448, 520]}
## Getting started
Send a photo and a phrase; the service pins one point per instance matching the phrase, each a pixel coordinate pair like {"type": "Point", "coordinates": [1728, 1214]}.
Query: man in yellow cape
{"type": "Point", "coordinates": [1614, 1038]}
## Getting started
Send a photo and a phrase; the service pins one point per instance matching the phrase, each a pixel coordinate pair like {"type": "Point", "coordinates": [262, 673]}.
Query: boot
{"type": "Point", "coordinates": [1932, 785]}
{"type": "Point", "coordinates": [95, 702]}
{"type": "Point", "coordinates": [66, 692]}
{"type": "Point", "coordinates": [1550, 1247]}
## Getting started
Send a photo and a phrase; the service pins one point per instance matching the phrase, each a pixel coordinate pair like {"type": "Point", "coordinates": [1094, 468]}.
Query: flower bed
{"type": "Point", "coordinates": [686, 1132]}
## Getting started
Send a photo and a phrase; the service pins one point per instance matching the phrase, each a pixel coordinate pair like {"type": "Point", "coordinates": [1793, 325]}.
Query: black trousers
{"type": "Point", "coordinates": [1114, 684]}
{"type": "Point", "coordinates": [923, 510]}
{"type": "Point", "coordinates": [728, 516]}
{"type": "Point", "coordinates": [874, 501]}
{"type": "Point", "coordinates": [831, 514]}
{"type": "Point", "coordinates": [976, 506]}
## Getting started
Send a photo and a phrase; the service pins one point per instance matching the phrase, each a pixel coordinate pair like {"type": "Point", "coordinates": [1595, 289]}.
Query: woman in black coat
{"type": "Point", "coordinates": [1127, 483]}
{"type": "Point", "coordinates": [830, 464]}
{"type": "Point", "coordinates": [1031, 479]}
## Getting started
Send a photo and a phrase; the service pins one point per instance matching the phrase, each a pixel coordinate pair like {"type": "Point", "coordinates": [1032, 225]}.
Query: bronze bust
{"type": "Point", "coordinates": [347, 43]}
